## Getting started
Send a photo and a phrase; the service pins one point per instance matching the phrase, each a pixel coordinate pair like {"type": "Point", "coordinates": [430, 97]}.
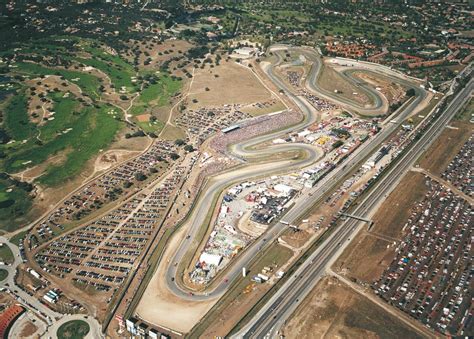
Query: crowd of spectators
{"type": "Point", "coordinates": [253, 127]}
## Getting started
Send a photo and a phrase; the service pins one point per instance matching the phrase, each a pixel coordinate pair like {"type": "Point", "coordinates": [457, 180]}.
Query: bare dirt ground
{"type": "Point", "coordinates": [161, 307]}
{"type": "Point", "coordinates": [32, 173]}
{"type": "Point", "coordinates": [244, 296]}
{"type": "Point", "coordinates": [330, 80]}
{"type": "Point", "coordinates": [445, 148]}
{"type": "Point", "coordinates": [371, 252]}
{"type": "Point", "coordinates": [297, 239]}
{"type": "Point", "coordinates": [250, 227]}
{"type": "Point", "coordinates": [269, 106]}
{"type": "Point", "coordinates": [333, 310]}
{"type": "Point", "coordinates": [392, 91]}
{"type": "Point", "coordinates": [132, 144]}
{"type": "Point", "coordinates": [111, 157]}
{"type": "Point", "coordinates": [233, 85]}
{"type": "Point", "coordinates": [28, 330]}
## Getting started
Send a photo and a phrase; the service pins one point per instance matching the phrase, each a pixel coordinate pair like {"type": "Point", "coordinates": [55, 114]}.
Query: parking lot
{"type": "Point", "coordinates": [459, 171]}
{"type": "Point", "coordinates": [430, 277]}
{"type": "Point", "coordinates": [103, 253]}
{"type": "Point", "coordinates": [203, 122]}
{"type": "Point", "coordinates": [105, 188]}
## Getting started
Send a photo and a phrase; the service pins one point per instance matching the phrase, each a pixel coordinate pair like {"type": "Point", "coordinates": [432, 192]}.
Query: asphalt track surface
{"type": "Point", "coordinates": [302, 203]}
{"type": "Point", "coordinates": [269, 320]}
{"type": "Point", "coordinates": [312, 82]}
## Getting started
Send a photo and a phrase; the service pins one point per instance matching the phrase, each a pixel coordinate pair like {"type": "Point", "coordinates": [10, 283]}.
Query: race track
{"type": "Point", "coordinates": [259, 166]}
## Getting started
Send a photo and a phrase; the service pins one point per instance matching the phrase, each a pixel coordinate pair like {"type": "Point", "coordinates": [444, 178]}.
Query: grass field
{"type": "Point", "coordinates": [466, 113]}
{"type": "Point", "coordinates": [119, 71]}
{"type": "Point", "coordinates": [74, 127]}
{"type": "Point", "coordinates": [158, 94]}
{"type": "Point", "coordinates": [17, 238]}
{"type": "Point", "coordinates": [95, 131]}
{"type": "Point", "coordinates": [163, 90]}
{"type": "Point", "coordinates": [6, 254]}
{"type": "Point", "coordinates": [75, 329]}
{"type": "Point", "coordinates": [151, 127]}
{"type": "Point", "coordinates": [14, 205]}
{"type": "Point", "coordinates": [3, 274]}
{"type": "Point", "coordinates": [16, 118]}
{"type": "Point", "coordinates": [153, 97]}
{"type": "Point", "coordinates": [64, 117]}
{"type": "Point", "coordinates": [88, 83]}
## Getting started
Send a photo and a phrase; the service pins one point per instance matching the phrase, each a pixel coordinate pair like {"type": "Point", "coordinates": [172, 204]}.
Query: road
{"type": "Point", "coordinates": [302, 203]}
{"type": "Point", "coordinates": [18, 293]}
{"type": "Point", "coordinates": [268, 321]}
{"type": "Point", "coordinates": [52, 319]}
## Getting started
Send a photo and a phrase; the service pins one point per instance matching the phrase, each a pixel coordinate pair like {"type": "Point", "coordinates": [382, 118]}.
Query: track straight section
{"type": "Point", "coordinates": [279, 308]}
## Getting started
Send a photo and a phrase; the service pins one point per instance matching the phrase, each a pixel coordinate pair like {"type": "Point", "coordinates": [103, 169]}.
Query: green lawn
{"type": "Point", "coordinates": [88, 83]}
{"type": "Point", "coordinates": [119, 71]}
{"type": "Point", "coordinates": [93, 132]}
{"type": "Point", "coordinates": [75, 329]}
{"type": "Point", "coordinates": [162, 91]}
{"type": "Point", "coordinates": [118, 75]}
{"type": "Point", "coordinates": [6, 254]}
{"type": "Point", "coordinates": [13, 205]}
{"type": "Point", "coordinates": [17, 237]}
{"type": "Point", "coordinates": [3, 274]}
{"type": "Point", "coordinates": [16, 118]}
{"type": "Point", "coordinates": [76, 133]}
{"type": "Point", "coordinates": [63, 117]}
{"type": "Point", "coordinates": [151, 127]}
{"type": "Point", "coordinates": [85, 131]}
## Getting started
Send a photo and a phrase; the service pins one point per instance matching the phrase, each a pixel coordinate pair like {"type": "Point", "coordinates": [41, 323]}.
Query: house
{"type": "Point", "coordinates": [245, 51]}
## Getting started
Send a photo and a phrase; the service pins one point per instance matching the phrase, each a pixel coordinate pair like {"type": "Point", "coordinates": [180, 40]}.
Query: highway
{"type": "Point", "coordinates": [302, 203]}
{"type": "Point", "coordinates": [269, 319]}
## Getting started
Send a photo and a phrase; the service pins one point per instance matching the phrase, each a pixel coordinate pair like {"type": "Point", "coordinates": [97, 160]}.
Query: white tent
{"type": "Point", "coordinates": [210, 259]}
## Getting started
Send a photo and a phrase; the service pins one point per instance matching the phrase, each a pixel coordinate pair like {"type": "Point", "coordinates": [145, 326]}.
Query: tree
{"type": "Point", "coordinates": [174, 156]}
{"type": "Point", "coordinates": [140, 176]}
{"type": "Point", "coordinates": [410, 92]}
{"type": "Point", "coordinates": [337, 144]}
{"type": "Point", "coordinates": [179, 142]}
{"type": "Point", "coordinates": [189, 148]}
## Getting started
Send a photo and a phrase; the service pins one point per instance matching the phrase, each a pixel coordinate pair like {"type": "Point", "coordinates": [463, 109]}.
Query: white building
{"type": "Point", "coordinates": [245, 51]}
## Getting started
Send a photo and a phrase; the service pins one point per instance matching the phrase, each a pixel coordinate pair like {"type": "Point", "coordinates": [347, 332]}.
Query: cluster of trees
{"type": "Point", "coordinates": [187, 147]}
{"type": "Point", "coordinates": [23, 185]}
{"type": "Point", "coordinates": [136, 134]}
